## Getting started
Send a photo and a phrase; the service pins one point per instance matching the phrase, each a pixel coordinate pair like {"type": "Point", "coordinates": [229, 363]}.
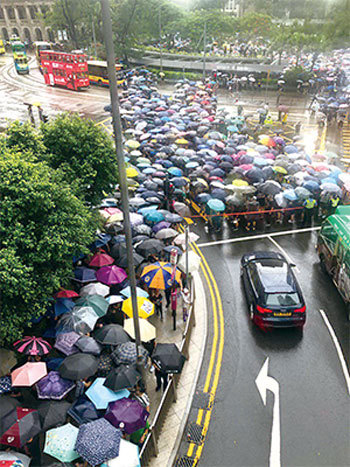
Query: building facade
{"type": "Point", "coordinates": [233, 7]}
{"type": "Point", "coordinates": [20, 17]}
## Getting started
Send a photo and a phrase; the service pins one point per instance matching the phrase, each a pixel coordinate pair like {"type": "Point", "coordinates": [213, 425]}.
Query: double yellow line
{"type": "Point", "coordinates": [215, 362]}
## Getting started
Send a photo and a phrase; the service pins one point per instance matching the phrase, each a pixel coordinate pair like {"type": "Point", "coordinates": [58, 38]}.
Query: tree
{"type": "Point", "coordinates": [337, 29]}
{"type": "Point", "coordinates": [24, 137]}
{"type": "Point", "coordinates": [84, 154]}
{"type": "Point", "coordinates": [75, 16]}
{"type": "Point", "coordinates": [42, 225]}
{"type": "Point", "coordinates": [254, 24]}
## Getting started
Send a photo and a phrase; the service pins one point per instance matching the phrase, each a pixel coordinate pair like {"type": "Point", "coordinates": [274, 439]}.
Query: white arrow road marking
{"type": "Point", "coordinates": [264, 383]}
{"type": "Point", "coordinates": [338, 349]}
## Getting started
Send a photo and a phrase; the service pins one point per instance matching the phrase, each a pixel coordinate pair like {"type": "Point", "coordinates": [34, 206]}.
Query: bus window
{"type": "Point", "coordinates": [329, 236]}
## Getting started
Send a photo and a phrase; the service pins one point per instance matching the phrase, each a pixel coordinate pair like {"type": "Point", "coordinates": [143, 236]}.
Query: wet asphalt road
{"type": "Point", "coordinates": [314, 405]}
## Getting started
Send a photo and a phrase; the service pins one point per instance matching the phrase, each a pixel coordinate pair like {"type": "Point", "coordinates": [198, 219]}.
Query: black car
{"type": "Point", "coordinates": [272, 291]}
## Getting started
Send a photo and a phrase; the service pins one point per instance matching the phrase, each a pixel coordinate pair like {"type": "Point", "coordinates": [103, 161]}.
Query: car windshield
{"type": "Point", "coordinates": [282, 299]}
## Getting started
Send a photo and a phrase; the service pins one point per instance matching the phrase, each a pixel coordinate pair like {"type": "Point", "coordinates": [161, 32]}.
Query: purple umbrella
{"type": "Point", "coordinates": [53, 386]}
{"type": "Point", "coordinates": [128, 412]}
{"type": "Point", "coordinates": [111, 275]}
{"type": "Point", "coordinates": [161, 225]}
{"type": "Point", "coordinates": [65, 342]}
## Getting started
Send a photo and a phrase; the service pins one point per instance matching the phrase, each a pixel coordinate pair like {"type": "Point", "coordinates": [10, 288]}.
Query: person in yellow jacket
{"type": "Point", "coordinates": [333, 203]}
{"type": "Point", "coordinates": [309, 210]}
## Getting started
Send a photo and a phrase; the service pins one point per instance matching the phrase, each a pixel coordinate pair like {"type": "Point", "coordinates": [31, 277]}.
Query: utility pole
{"type": "Point", "coordinates": [204, 47]}
{"type": "Point", "coordinates": [118, 138]}
{"type": "Point", "coordinates": [160, 39]}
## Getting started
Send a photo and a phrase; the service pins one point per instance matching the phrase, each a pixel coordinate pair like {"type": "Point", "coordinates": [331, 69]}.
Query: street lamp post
{"type": "Point", "coordinates": [204, 48]}
{"type": "Point", "coordinates": [160, 39]}
{"type": "Point", "coordinates": [117, 130]}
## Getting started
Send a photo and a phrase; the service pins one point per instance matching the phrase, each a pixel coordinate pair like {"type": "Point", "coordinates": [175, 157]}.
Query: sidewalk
{"type": "Point", "coordinates": [172, 431]}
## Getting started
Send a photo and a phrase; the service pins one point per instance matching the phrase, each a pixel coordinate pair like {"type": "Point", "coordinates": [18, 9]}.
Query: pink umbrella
{"type": "Point", "coordinates": [111, 275]}
{"type": "Point", "coordinates": [245, 166]}
{"type": "Point", "coordinates": [28, 374]}
{"type": "Point", "coordinates": [101, 259]}
{"type": "Point", "coordinates": [111, 211]}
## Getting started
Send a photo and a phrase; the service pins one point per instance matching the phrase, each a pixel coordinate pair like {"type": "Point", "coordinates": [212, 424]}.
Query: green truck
{"type": "Point", "coordinates": [333, 247]}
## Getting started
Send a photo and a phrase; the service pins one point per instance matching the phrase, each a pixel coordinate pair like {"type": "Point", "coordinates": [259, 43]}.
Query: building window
{"type": "Point", "coordinates": [51, 35]}
{"type": "Point", "coordinates": [15, 32]}
{"type": "Point", "coordinates": [5, 34]}
{"type": "Point", "coordinates": [10, 12]}
{"type": "Point", "coordinates": [33, 12]}
{"type": "Point", "coordinates": [38, 34]}
{"type": "Point", "coordinates": [27, 35]}
{"type": "Point", "coordinates": [1, 13]}
{"type": "Point", "coordinates": [21, 12]}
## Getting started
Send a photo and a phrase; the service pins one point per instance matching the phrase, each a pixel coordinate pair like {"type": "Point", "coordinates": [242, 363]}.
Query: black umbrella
{"type": "Point", "coordinates": [78, 366]}
{"type": "Point", "coordinates": [83, 411]}
{"type": "Point", "coordinates": [123, 261]}
{"type": "Point", "coordinates": [53, 413]}
{"type": "Point", "coordinates": [150, 247]}
{"type": "Point", "coordinates": [118, 250]}
{"type": "Point", "coordinates": [168, 358]}
{"type": "Point", "coordinates": [125, 376]}
{"type": "Point", "coordinates": [7, 404]}
{"type": "Point", "coordinates": [142, 230]}
{"type": "Point", "coordinates": [88, 344]}
{"type": "Point", "coordinates": [111, 334]}
{"type": "Point", "coordinates": [105, 365]}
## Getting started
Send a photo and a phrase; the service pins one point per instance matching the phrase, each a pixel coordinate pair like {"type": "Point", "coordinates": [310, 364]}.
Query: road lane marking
{"type": "Point", "coordinates": [257, 237]}
{"type": "Point", "coordinates": [338, 349]}
{"type": "Point", "coordinates": [283, 251]}
{"type": "Point", "coordinates": [216, 353]}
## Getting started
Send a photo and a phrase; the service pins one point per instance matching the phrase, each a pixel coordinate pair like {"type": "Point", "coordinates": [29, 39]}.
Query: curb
{"type": "Point", "coordinates": [198, 280]}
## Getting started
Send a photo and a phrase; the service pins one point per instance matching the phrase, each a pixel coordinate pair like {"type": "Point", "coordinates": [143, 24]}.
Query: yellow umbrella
{"type": "Point", "coordinates": [280, 170]}
{"type": "Point", "coordinates": [239, 182]}
{"type": "Point", "coordinates": [131, 172]}
{"type": "Point", "coordinates": [117, 217]}
{"type": "Point", "coordinates": [147, 331]}
{"type": "Point", "coordinates": [132, 144]}
{"type": "Point", "coordinates": [202, 182]}
{"type": "Point", "coordinates": [145, 307]}
{"type": "Point", "coordinates": [181, 141]}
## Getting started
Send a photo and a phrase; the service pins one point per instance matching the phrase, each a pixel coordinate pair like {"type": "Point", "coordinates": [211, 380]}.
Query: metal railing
{"type": "Point", "coordinates": [150, 447]}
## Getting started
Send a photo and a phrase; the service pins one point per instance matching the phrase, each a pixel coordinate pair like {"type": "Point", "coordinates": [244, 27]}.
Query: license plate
{"type": "Point", "coordinates": [282, 314]}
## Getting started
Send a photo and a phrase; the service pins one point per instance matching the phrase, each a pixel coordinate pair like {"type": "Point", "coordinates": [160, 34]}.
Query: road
{"type": "Point", "coordinates": [314, 395]}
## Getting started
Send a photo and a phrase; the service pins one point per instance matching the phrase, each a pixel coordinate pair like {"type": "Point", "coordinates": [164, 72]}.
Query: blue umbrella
{"type": "Point", "coordinates": [5, 384]}
{"type": "Point", "coordinates": [100, 395]}
{"type": "Point", "coordinates": [154, 217]}
{"type": "Point", "coordinates": [290, 148]}
{"type": "Point", "coordinates": [83, 411]}
{"type": "Point", "coordinates": [143, 211]}
{"type": "Point", "coordinates": [102, 239]}
{"type": "Point", "coordinates": [290, 195]}
{"type": "Point", "coordinates": [311, 185]}
{"type": "Point", "coordinates": [203, 198]}
{"type": "Point", "coordinates": [63, 305]}
{"type": "Point", "coordinates": [216, 205]}
{"type": "Point", "coordinates": [175, 171]}
{"type": "Point", "coordinates": [98, 441]}
{"type": "Point", "coordinates": [140, 292]}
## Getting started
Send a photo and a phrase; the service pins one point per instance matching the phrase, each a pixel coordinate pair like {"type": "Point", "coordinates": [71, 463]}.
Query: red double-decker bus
{"type": "Point", "coordinates": [63, 69]}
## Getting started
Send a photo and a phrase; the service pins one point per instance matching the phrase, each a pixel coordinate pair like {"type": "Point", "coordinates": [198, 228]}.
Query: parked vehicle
{"type": "Point", "coordinates": [333, 247]}
{"type": "Point", "coordinates": [273, 294]}
{"type": "Point", "coordinates": [39, 47]}
{"type": "Point", "coordinates": [65, 69]}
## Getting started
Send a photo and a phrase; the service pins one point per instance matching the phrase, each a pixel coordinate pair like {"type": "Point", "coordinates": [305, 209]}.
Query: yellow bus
{"type": "Point", "coordinates": [2, 47]}
{"type": "Point", "coordinates": [98, 72]}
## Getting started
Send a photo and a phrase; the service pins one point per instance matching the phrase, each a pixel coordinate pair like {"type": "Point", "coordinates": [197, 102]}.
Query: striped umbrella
{"type": "Point", "coordinates": [159, 275]}
{"type": "Point", "coordinates": [31, 345]}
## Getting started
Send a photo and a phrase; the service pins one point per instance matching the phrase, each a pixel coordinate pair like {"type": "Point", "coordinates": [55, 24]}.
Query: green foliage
{"type": "Point", "coordinates": [255, 24]}
{"type": "Point", "coordinates": [337, 30]}
{"type": "Point", "coordinates": [291, 76]}
{"type": "Point", "coordinates": [83, 153]}
{"type": "Point", "coordinates": [42, 225]}
{"type": "Point", "coordinates": [24, 137]}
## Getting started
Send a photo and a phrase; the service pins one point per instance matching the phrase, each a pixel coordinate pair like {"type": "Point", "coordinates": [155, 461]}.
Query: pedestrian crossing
{"type": "Point", "coordinates": [346, 144]}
